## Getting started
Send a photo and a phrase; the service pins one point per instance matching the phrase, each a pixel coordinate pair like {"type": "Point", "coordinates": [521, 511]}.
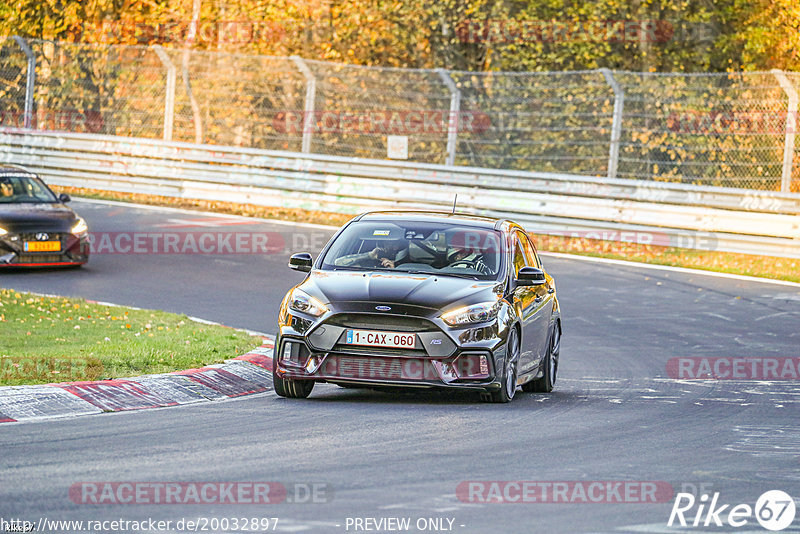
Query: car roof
{"type": "Point", "coordinates": [8, 168]}
{"type": "Point", "coordinates": [466, 219]}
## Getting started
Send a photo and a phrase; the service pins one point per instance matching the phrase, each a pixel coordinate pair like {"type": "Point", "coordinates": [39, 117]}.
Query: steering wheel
{"type": "Point", "coordinates": [465, 263]}
{"type": "Point", "coordinates": [476, 266]}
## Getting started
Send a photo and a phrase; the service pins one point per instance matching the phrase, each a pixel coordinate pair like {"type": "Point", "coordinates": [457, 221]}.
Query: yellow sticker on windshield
{"type": "Point", "coordinates": [381, 232]}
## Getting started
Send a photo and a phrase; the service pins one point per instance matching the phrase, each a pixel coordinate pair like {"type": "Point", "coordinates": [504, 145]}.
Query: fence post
{"type": "Point", "coordinates": [616, 125]}
{"type": "Point", "coordinates": [169, 99]}
{"type": "Point", "coordinates": [30, 80]}
{"type": "Point", "coordinates": [452, 123]}
{"type": "Point", "coordinates": [791, 128]}
{"type": "Point", "coordinates": [311, 94]}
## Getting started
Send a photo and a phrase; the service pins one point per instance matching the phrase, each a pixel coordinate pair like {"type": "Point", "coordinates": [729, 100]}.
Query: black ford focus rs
{"type": "Point", "coordinates": [421, 299]}
{"type": "Point", "coordinates": [37, 228]}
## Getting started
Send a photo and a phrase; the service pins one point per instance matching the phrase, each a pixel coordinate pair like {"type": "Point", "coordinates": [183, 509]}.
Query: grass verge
{"type": "Point", "coordinates": [57, 339]}
{"type": "Point", "coordinates": [726, 262]}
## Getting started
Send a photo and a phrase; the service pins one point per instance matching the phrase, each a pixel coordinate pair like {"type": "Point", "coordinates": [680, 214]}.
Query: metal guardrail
{"type": "Point", "coordinates": [731, 129]}
{"type": "Point", "coordinates": [709, 218]}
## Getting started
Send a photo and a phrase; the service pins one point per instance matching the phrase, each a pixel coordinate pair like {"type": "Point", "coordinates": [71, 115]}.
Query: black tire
{"type": "Point", "coordinates": [293, 389]}
{"type": "Point", "coordinates": [547, 382]}
{"type": "Point", "coordinates": [506, 393]}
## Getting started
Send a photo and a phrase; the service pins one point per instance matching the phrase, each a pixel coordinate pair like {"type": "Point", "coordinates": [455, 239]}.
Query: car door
{"type": "Point", "coordinates": [524, 302]}
{"type": "Point", "coordinates": [536, 312]}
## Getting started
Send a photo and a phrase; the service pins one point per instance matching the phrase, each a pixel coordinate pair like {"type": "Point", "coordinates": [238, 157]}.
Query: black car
{"type": "Point", "coordinates": [421, 299]}
{"type": "Point", "coordinates": [37, 228]}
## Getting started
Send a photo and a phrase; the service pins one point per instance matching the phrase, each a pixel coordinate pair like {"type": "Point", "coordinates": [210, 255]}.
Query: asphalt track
{"type": "Point", "coordinates": [614, 416]}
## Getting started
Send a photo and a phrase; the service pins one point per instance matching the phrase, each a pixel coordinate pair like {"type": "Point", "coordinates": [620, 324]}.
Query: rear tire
{"type": "Point", "coordinates": [509, 381]}
{"type": "Point", "coordinates": [547, 382]}
{"type": "Point", "coordinates": [292, 389]}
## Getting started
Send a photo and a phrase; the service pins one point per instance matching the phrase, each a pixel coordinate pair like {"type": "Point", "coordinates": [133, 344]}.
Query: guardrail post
{"type": "Point", "coordinates": [791, 128]}
{"type": "Point", "coordinates": [616, 125]}
{"type": "Point", "coordinates": [452, 123]}
{"type": "Point", "coordinates": [30, 79]}
{"type": "Point", "coordinates": [311, 94]}
{"type": "Point", "coordinates": [169, 99]}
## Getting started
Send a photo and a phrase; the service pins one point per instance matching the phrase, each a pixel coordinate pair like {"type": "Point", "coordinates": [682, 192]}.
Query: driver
{"type": "Point", "coordinates": [467, 257]}
{"type": "Point", "coordinates": [388, 254]}
{"type": "Point", "coordinates": [6, 189]}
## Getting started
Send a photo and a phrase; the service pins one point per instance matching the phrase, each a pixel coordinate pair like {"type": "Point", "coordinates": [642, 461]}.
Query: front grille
{"type": "Point", "coordinates": [380, 351]}
{"type": "Point", "coordinates": [430, 340]}
{"type": "Point", "coordinates": [40, 258]}
{"type": "Point", "coordinates": [51, 236]}
{"type": "Point", "coordinates": [34, 257]}
{"type": "Point", "coordinates": [374, 368]}
{"type": "Point", "coordinates": [368, 321]}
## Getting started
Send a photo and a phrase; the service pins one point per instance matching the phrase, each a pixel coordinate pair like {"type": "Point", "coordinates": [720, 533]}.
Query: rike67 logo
{"type": "Point", "coordinates": [774, 510]}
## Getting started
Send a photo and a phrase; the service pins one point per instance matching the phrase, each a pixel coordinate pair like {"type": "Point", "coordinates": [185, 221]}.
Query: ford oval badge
{"type": "Point", "coordinates": [383, 308]}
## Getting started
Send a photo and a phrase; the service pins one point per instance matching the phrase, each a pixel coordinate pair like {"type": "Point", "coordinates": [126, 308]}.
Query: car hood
{"type": "Point", "coordinates": [429, 291]}
{"type": "Point", "coordinates": [36, 216]}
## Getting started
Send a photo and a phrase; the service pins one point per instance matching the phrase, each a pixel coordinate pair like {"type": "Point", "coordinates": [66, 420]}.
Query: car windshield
{"type": "Point", "coordinates": [21, 188]}
{"type": "Point", "coordinates": [440, 248]}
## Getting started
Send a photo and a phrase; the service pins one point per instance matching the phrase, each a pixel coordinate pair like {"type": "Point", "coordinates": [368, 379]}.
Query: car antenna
{"type": "Point", "coordinates": [454, 203]}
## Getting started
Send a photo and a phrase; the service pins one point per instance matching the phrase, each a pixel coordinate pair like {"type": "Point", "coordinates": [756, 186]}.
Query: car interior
{"type": "Point", "coordinates": [455, 250]}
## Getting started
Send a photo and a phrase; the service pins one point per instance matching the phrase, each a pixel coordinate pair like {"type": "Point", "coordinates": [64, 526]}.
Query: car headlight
{"type": "Point", "coordinates": [3, 231]}
{"type": "Point", "coordinates": [303, 302]}
{"type": "Point", "coordinates": [80, 226]}
{"type": "Point", "coordinates": [476, 313]}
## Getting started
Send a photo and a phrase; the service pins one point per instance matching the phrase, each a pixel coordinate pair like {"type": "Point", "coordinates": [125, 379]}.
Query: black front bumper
{"type": "Point", "coordinates": [441, 358]}
{"type": "Point", "coordinates": [73, 250]}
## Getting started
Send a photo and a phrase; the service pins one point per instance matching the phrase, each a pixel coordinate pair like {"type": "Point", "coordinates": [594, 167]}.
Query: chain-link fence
{"type": "Point", "coordinates": [726, 129]}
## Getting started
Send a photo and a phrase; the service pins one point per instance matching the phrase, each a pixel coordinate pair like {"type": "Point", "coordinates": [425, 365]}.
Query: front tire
{"type": "Point", "coordinates": [506, 392]}
{"type": "Point", "coordinates": [292, 389]}
{"type": "Point", "coordinates": [547, 381]}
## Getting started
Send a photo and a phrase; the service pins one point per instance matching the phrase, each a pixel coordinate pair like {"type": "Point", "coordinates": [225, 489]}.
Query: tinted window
{"type": "Point", "coordinates": [20, 188]}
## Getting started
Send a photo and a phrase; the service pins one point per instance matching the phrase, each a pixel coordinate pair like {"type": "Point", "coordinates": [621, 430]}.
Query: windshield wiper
{"type": "Point", "coordinates": [407, 271]}
{"type": "Point", "coordinates": [351, 268]}
{"type": "Point", "coordinates": [434, 273]}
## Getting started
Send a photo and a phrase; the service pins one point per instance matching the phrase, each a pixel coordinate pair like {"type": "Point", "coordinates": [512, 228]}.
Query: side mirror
{"type": "Point", "coordinates": [301, 261]}
{"type": "Point", "coordinates": [63, 197]}
{"type": "Point", "coordinates": [530, 276]}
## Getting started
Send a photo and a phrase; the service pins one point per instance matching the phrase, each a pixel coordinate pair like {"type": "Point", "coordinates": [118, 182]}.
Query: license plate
{"type": "Point", "coordinates": [375, 338]}
{"type": "Point", "coordinates": [42, 246]}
